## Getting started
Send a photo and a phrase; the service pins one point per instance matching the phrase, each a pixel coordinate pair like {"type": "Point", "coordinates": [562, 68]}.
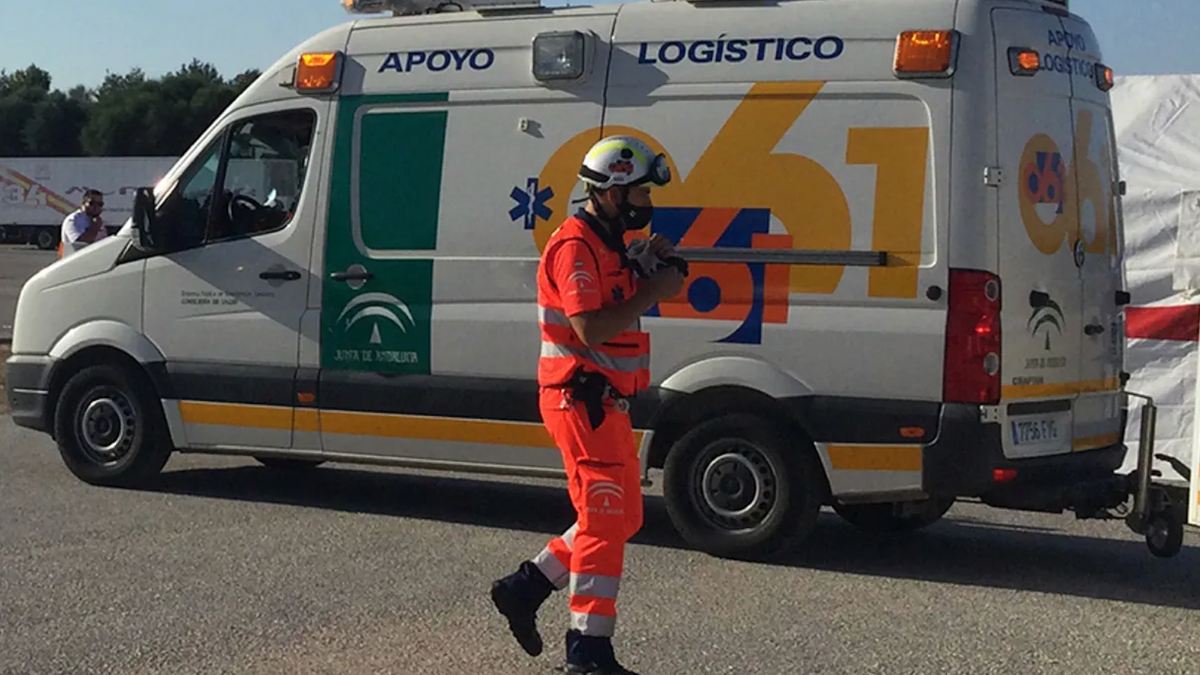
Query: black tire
{"type": "Point", "coordinates": [737, 452]}
{"type": "Point", "coordinates": [1164, 534]}
{"type": "Point", "coordinates": [883, 518]}
{"type": "Point", "coordinates": [289, 463]}
{"type": "Point", "coordinates": [110, 427]}
{"type": "Point", "coordinates": [45, 240]}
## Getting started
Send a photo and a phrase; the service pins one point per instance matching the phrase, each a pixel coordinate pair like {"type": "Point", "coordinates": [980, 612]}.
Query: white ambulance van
{"type": "Point", "coordinates": [902, 219]}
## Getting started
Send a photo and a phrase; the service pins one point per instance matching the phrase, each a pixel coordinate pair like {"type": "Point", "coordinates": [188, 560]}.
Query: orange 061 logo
{"type": "Point", "coordinates": [741, 170]}
{"type": "Point", "coordinates": [1053, 191]}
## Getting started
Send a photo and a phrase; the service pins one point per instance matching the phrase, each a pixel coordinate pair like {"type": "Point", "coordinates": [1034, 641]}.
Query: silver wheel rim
{"type": "Point", "coordinates": [736, 484]}
{"type": "Point", "coordinates": [106, 428]}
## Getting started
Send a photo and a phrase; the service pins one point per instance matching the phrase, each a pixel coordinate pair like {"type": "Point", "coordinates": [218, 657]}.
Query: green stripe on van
{"type": "Point", "coordinates": [400, 179]}
{"type": "Point", "coordinates": [389, 202]}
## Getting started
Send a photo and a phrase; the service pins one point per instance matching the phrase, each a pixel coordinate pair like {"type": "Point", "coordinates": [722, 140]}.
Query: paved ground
{"type": "Point", "coordinates": [17, 264]}
{"type": "Point", "coordinates": [232, 568]}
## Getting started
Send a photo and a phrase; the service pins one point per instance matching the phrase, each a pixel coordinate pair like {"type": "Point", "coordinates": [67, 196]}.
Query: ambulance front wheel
{"type": "Point", "coordinates": [735, 486]}
{"type": "Point", "coordinates": [110, 428]}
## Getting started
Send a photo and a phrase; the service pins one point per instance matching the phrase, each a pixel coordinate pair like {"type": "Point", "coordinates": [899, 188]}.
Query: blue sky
{"type": "Point", "coordinates": [79, 40]}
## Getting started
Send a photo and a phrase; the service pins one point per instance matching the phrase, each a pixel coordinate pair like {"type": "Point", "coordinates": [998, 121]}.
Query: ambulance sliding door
{"type": "Point", "coordinates": [444, 161]}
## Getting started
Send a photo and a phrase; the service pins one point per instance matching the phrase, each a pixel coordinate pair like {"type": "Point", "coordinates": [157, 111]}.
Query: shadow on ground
{"type": "Point", "coordinates": [956, 551]}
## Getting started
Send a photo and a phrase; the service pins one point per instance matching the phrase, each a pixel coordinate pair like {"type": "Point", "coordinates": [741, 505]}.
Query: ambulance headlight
{"type": "Point", "coordinates": [559, 56]}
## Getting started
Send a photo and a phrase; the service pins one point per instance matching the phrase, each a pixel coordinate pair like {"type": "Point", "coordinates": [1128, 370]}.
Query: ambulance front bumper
{"type": "Point", "coordinates": [967, 460]}
{"type": "Point", "coordinates": [27, 388]}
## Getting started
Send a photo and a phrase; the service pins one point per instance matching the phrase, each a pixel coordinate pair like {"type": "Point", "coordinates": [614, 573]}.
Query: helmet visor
{"type": "Point", "coordinates": [659, 173]}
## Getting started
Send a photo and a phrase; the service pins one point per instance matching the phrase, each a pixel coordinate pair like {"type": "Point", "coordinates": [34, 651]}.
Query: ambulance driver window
{"type": "Point", "coordinates": [247, 182]}
{"type": "Point", "coordinates": [263, 174]}
{"type": "Point", "coordinates": [184, 216]}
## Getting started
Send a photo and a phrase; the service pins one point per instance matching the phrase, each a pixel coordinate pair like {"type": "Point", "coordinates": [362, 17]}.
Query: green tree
{"type": "Point", "coordinates": [55, 127]}
{"type": "Point", "coordinates": [29, 78]}
{"type": "Point", "coordinates": [127, 114]}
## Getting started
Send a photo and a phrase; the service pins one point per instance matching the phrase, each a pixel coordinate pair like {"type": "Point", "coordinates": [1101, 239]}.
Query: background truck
{"type": "Point", "coordinates": [37, 193]}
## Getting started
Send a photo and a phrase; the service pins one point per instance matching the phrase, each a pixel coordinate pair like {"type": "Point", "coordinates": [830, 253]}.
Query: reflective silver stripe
{"type": "Point", "coordinates": [595, 585]}
{"type": "Point", "coordinates": [623, 364]}
{"type": "Point", "coordinates": [569, 536]}
{"type": "Point", "coordinates": [552, 316]}
{"type": "Point", "coordinates": [552, 568]}
{"type": "Point", "coordinates": [594, 624]}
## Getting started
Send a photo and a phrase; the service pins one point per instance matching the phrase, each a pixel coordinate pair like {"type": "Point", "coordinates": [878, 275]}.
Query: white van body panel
{"type": "Point", "coordinates": [82, 290]}
{"type": "Point", "coordinates": [440, 167]}
{"type": "Point", "coordinates": [107, 333]}
{"type": "Point", "coordinates": [735, 371]}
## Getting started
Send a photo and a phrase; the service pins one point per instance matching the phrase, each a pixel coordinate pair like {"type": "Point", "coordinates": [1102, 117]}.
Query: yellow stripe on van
{"type": "Point", "coordinates": [875, 457]}
{"type": "Point", "coordinates": [236, 415]}
{"type": "Point", "coordinates": [519, 434]}
{"type": "Point", "coordinates": [436, 429]}
{"type": "Point", "coordinates": [307, 419]}
{"type": "Point", "coordinates": [1095, 442]}
{"type": "Point", "coordinates": [1016, 391]}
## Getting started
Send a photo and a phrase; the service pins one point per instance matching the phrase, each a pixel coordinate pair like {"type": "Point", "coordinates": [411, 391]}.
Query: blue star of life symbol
{"type": "Point", "coordinates": [531, 203]}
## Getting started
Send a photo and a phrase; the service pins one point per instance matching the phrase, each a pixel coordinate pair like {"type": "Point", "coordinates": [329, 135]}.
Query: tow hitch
{"type": "Point", "coordinates": [1160, 508]}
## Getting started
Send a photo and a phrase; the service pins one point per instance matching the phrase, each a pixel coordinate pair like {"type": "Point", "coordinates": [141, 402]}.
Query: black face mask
{"type": "Point", "coordinates": [636, 217]}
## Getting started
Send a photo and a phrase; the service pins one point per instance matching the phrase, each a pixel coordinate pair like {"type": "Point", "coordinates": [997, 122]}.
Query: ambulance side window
{"type": "Point", "coordinates": [247, 182]}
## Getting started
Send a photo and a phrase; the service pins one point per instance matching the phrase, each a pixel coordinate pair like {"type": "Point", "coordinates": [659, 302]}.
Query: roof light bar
{"type": "Point", "coordinates": [411, 7]}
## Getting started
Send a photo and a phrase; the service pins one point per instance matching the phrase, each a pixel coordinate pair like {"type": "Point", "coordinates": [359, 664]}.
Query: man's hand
{"type": "Point", "coordinates": [602, 325]}
{"type": "Point", "coordinates": [661, 246]}
{"type": "Point", "coordinates": [94, 231]}
{"type": "Point", "coordinates": [665, 284]}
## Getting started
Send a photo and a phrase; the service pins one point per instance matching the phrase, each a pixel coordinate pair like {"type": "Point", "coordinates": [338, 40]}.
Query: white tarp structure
{"type": "Point", "coordinates": [1157, 123]}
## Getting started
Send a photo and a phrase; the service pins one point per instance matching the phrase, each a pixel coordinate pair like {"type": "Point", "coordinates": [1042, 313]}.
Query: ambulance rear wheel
{"type": "Point", "coordinates": [735, 488]}
{"type": "Point", "coordinates": [110, 428]}
{"type": "Point", "coordinates": [883, 517]}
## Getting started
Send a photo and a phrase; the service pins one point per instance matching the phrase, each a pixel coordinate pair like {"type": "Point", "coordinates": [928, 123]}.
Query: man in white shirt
{"type": "Point", "coordinates": [84, 226]}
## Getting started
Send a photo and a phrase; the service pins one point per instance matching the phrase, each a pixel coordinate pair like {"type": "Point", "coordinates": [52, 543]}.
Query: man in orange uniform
{"type": "Point", "coordinates": [594, 359]}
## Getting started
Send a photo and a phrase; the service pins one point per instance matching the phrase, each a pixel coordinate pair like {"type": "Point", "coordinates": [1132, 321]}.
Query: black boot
{"type": "Point", "coordinates": [591, 655]}
{"type": "Point", "coordinates": [518, 597]}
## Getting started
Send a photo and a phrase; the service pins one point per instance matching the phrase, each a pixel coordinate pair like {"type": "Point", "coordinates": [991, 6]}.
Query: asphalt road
{"type": "Point", "coordinates": [17, 264]}
{"type": "Point", "coordinates": [233, 568]}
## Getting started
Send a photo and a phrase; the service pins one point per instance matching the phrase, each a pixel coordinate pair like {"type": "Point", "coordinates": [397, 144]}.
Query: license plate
{"type": "Point", "coordinates": [1035, 431]}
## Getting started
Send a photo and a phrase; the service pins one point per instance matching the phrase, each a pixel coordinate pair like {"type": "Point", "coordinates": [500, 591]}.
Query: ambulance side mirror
{"type": "Point", "coordinates": [143, 217]}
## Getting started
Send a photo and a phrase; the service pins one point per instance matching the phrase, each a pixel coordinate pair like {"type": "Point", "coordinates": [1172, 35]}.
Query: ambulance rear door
{"type": "Point", "coordinates": [1041, 315]}
{"type": "Point", "coordinates": [1098, 248]}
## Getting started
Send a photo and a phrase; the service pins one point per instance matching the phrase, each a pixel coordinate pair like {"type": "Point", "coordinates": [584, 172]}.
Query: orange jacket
{"type": "Point", "coordinates": [579, 273]}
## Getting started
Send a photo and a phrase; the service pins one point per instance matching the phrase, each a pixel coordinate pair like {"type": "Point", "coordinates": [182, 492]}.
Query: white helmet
{"type": "Point", "coordinates": [623, 160]}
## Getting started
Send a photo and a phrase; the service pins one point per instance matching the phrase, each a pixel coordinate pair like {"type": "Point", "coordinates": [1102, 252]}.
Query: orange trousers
{"type": "Point", "coordinates": [604, 482]}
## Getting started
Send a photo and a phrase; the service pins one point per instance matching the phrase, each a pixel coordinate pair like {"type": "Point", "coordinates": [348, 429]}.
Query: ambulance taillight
{"type": "Point", "coordinates": [972, 359]}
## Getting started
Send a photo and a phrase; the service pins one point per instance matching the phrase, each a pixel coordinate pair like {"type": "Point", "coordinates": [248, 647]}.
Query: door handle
{"type": "Point", "coordinates": [1093, 329]}
{"type": "Point", "coordinates": [286, 275]}
{"type": "Point", "coordinates": [352, 276]}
